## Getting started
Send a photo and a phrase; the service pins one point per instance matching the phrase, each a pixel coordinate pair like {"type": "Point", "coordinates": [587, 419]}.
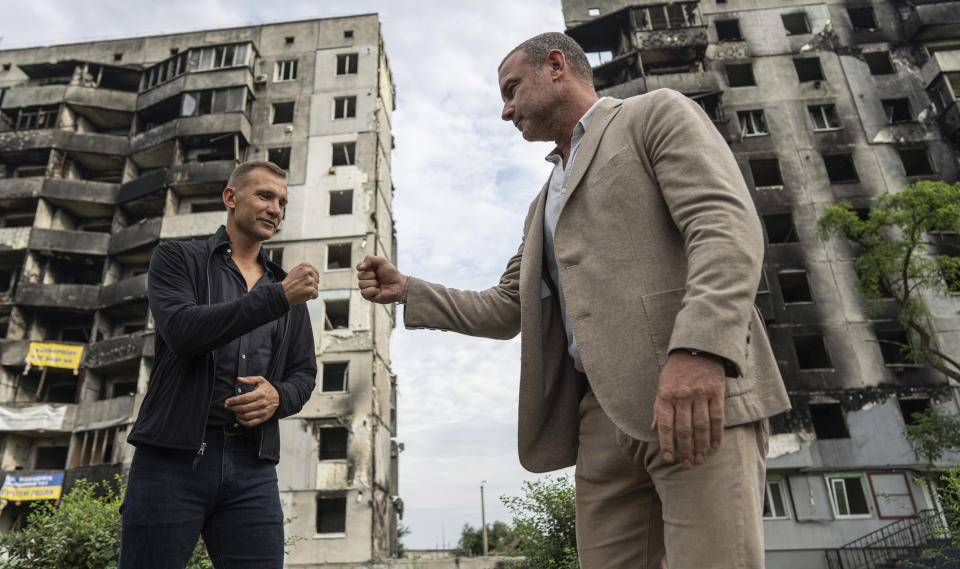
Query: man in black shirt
{"type": "Point", "coordinates": [234, 354]}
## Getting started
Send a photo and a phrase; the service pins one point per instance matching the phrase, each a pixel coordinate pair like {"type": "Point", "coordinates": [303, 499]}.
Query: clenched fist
{"type": "Point", "coordinates": [301, 284]}
{"type": "Point", "coordinates": [380, 281]}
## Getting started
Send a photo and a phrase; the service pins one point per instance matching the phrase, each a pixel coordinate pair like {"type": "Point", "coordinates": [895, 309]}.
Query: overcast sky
{"type": "Point", "coordinates": [463, 179]}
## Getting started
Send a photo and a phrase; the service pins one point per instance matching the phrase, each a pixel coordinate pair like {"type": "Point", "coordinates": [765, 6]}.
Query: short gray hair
{"type": "Point", "coordinates": [538, 47]}
{"type": "Point", "coordinates": [239, 174]}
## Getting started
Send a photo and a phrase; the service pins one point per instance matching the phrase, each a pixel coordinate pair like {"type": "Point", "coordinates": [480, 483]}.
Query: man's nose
{"type": "Point", "coordinates": [507, 113]}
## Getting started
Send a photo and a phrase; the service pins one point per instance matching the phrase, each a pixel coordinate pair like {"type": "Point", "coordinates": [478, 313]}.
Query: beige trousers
{"type": "Point", "coordinates": [635, 511]}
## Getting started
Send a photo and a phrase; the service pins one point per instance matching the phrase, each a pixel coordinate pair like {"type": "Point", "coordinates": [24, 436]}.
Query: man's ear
{"type": "Point", "coordinates": [229, 197]}
{"type": "Point", "coordinates": [556, 63]}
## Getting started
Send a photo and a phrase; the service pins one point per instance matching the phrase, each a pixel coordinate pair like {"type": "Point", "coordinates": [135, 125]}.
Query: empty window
{"type": "Point", "coordinates": [897, 110]}
{"type": "Point", "coordinates": [280, 156]}
{"type": "Point", "coordinates": [811, 353]}
{"type": "Point", "coordinates": [275, 254]}
{"type": "Point", "coordinates": [774, 500]}
{"type": "Point", "coordinates": [348, 34]}
{"type": "Point", "coordinates": [338, 256]}
{"type": "Point", "coordinates": [728, 30]}
{"type": "Point", "coordinates": [333, 443]}
{"type": "Point", "coordinates": [93, 447]}
{"type": "Point", "coordinates": [766, 173]}
{"type": "Point", "coordinates": [344, 153]}
{"type": "Point", "coordinates": [331, 514]}
{"type": "Point", "coordinates": [824, 117]}
{"type": "Point", "coordinates": [283, 113]}
{"type": "Point", "coordinates": [207, 205]}
{"type": "Point", "coordinates": [51, 458]}
{"type": "Point", "coordinates": [894, 347]}
{"type": "Point", "coordinates": [796, 23]}
{"type": "Point", "coordinates": [879, 62]}
{"type": "Point", "coordinates": [711, 105]}
{"type": "Point", "coordinates": [740, 75]}
{"type": "Point", "coordinates": [336, 314]}
{"type": "Point", "coordinates": [862, 19]}
{"type": "Point", "coordinates": [780, 228]}
{"type": "Point", "coordinates": [285, 70]}
{"type": "Point", "coordinates": [828, 421]}
{"type": "Point", "coordinates": [7, 66]}
{"type": "Point", "coordinates": [909, 406]}
{"type": "Point", "coordinates": [794, 286]}
{"type": "Point", "coordinates": [808, 69]}
{"type": "Point", "coordinates": [752, 123]}
{"type": "Point", "coordinates": [335, 376]}
{"type": "Point", "coordinates": [289, 40]}
{"type": "Point", "coordinates": [118, 57]}
{"type": "Point", "coordinates": [344, 107]}
{"type": "Point", "coordinates": [667, 16]}
{"type": "Point", "coordinates": [341, 202]}
{"type": "Point", "coordinates": [347, 63]}
{"type": "Point", "coordinates": [916, 161]}
{"type": "Point", "coordinates": [848, 495]}
{"type": "Point", "coordinates": [840, 168]}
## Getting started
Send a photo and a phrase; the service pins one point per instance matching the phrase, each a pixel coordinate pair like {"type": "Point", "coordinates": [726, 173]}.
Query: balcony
{"type": "Point", "coordinates": [192, 225]}
{"type": "Point", "coordinates": [14, 238]}
{"type": "Point", "coordinates": [686, 83]}
{"type": "Point", "coordinates": [133, 288]}
{"type": "Point", "coordinates": [94, 97]}
{"type": "Point", "coordinates": [20, 188]}
{"type": "Point", "coordinates": [185, 176]}
{"type": "Point", "coordinates": [14, 352]}
{"type": "Point", "coordinates": [104, 413]}
{"type": "Point", "coordinates": [70, 296]}
{"type": "Point", "coordinates": [94, 143]}
{"type": "Point", "coordinates": [223, 123]}
{"type": "Point", "coordinates": [84, 192]}
{"type": "Point", "coordinates": [656, 40]}
{"type": "Point", "coordinates": [143, 186]}
{"type": "Point", "coordinates": [933, 21]}
{"type": "Point", "coordinates": [144, 233]}
{"type": "Point", "coordinates": [39, 417]}
{"type": "Point", "coordinates": [116, 350]}
{"type": "Point", "coordinates": [83, 242]}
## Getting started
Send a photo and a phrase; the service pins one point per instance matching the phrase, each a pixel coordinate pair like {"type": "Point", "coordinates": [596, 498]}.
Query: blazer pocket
{"type": "Point", "coordinates": [660, 311]}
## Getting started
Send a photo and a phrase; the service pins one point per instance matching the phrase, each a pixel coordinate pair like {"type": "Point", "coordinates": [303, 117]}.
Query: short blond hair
{"type": "Point", "coordinates": [239, 174]}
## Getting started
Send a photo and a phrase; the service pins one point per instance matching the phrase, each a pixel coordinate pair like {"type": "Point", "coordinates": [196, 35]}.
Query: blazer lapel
{"type": "Point", "coordinates": [602, 116]}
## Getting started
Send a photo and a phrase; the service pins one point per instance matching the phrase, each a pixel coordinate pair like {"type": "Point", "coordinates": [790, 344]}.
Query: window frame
{"type": "Point", "coordinates": [753, 119]}
{"type": "Point", "coordinates": [350, 63]}
{"type": "Point", "coordinates": [285, 70]}
{"type": "Point", "coordinates": [821, 109]}
{"type": "Point", "coordinates": [784, 491]}
{"type": "Point", "coordinates": [832, 477]}
{"type": "Point", "coordinates": [345, 107]}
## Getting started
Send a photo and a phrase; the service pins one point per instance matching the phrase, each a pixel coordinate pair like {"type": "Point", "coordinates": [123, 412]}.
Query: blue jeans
{"type": "Point", "coordinates": [231, 498]}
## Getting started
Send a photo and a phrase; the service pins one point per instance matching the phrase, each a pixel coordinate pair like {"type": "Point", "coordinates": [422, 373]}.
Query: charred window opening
{"type": "Point", "coordinates": [348, 34]}
{"type": "Point", "coordinates": [344, 107]}
{"type": "Point", "coordinates": [728, 30]}
{"type": "Point", "coordinates": [331, 514]}
{"type": "Point", "coordinates": [335, 375]}
{"type": "Point", "coordinates": [338, 256]}
{"type": "Point", "coordinates": [667, 16]}
{"type": "Point", "coordinates": [916, 161]}
{"type": "Point", "coordinates": [879, 62]}
{"type": "Point", "coordinates": [125, 387]}
{"type": "Point", "coordinates": [828, 421]}
{"type": "Point", "coordinates": [897, 110]}
{"type": "Point", "coordinates": [796, 23]}
{"type": "Point", "coordinates": [51, 458]}
{"type": "Point", "coordinates": [280, 156]}
{"type": "Point", "coordinates": [780, 228]}
{"type": "Point", "coordinates": [752, 123]}
{"type": "Point", "coordinates": [794, 286]}
{"type": "Point", "coordinates": [711, 104]}
{"type": "Point", "coordinates": [910, 406]}
{"type": "Point", "coordinates": [824, 117]}
{"type": "Point", "coordinates": [808, 69]}
{"type": "Point", "coordinates": [895, 347]}
{"type": "Point", "coordinates": [740, 75]}
{"type": "Point", "coordinates": [341, 202]}
{"type": "Point", "coordinates": [283, 113]}
{"type": "Point", "coordinates": [336, 314]}
{"type": "Point", "coordinates": [344, 153]}
{"type": "Point", "coordinates": [203, 206]}
{"type": "Point", "coordinates": [766, 173]}
{"type": "Point", "coordinates": [289, 40]}
{"type": "Point", "coordinates": [840, 168]}
{"type": "Point", "coordinates": [30, 118]}
{"type": "Point", "coordinates": [863, 19]}
{"type": "Point", "coordinates": [347, 63]}
{"type": "Point", "coordinates": [333, 443]}
{"type": "Point", "coordinates": [58, 386]}
{"type": "Point", "coordinates": [91, 448]}
{"type": "Point", "coordinates": [811, 352]}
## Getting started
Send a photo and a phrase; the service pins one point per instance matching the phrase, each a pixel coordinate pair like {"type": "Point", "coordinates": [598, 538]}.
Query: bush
{"type": "Point", "coordinates": [544, 521]}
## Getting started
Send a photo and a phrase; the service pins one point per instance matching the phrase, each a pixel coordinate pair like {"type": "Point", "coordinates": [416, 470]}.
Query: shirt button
{"type": "Point", "coordinates": [229, 250]}
{"type": "Point", "coordinates": [239, 390]}
{"type": "Point", "coordinates": [235, 425]}
{"type": "Point", "coordinates": [243, 356]}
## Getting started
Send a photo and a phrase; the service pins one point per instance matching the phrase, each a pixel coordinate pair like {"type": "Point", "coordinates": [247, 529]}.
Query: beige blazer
{"type": "Point", "coordinates": [659, 247]}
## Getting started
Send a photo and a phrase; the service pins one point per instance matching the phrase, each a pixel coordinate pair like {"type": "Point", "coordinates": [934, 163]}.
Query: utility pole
{"type": "Point", "coordinates": [483, 519]}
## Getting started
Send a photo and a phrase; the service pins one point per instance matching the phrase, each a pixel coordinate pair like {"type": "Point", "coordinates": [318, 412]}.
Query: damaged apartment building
{"type": "Point", "coordinates": [108, 148]}
{"type": "Point", "coordinates": [821, 102]}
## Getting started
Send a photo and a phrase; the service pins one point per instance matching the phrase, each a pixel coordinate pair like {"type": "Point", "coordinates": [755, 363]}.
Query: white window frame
{"type": "Point", "coordinates": [842, 477]}
{"type": "Point", "coordinates": [778, 486]}
{"type": "Point", "coordinates": [752, 123]}
{"type": "Point", "coordinates": [285, 70]}
{"type": "Point", "coordinates": [821, 109]}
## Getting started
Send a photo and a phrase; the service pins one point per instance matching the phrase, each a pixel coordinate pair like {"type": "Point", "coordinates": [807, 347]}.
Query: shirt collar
{"type": "Point", "coordinates": [578, 132]}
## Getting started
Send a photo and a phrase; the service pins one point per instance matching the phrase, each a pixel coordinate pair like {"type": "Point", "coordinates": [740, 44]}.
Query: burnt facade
{"type": "Point", "coordinates": [821, 102]}
{"type": "Point", "coordinates": [108, 148]}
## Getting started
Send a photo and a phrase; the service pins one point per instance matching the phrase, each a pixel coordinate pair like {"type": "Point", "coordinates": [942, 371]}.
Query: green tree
{"type": "Point", "coordinates": [934, 433]}
{"type": "Point", "coordinates": [544, 523]}
{"type": "Point", "coordinates": [402, 532]}
{"type": "Point", "coordinates": [896, 258]}
{"type": "Point", "coordinates": [500, 538]}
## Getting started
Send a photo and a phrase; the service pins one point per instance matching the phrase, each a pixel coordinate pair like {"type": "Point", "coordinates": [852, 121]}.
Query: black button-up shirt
{"type": "Point", "coordinates": [247, 355]}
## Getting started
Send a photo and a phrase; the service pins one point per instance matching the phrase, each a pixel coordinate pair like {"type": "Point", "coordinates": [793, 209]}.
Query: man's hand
{"type": "Point", "coordinates": [689, 407]}
{"type": "Point", "coordinates": [257, 406]}
{"type": "Point", "coordinates": [380, 281]}
{"type": "Point", "coordinates": [301, 284]}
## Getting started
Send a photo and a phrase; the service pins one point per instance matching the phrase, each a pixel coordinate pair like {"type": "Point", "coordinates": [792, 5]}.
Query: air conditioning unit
{"type": "Point", "coordinates": [261, 78]}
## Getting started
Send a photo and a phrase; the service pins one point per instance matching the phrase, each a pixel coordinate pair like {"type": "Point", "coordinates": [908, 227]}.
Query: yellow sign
{"type": "Point", "coordinates": [54, 355]}
{"type": "Point", "coordinates": [32, 487]}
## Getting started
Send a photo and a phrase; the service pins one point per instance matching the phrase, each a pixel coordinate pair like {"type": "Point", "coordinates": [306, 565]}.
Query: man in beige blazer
{"type": "Point", "coordinates": [644, 361]}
